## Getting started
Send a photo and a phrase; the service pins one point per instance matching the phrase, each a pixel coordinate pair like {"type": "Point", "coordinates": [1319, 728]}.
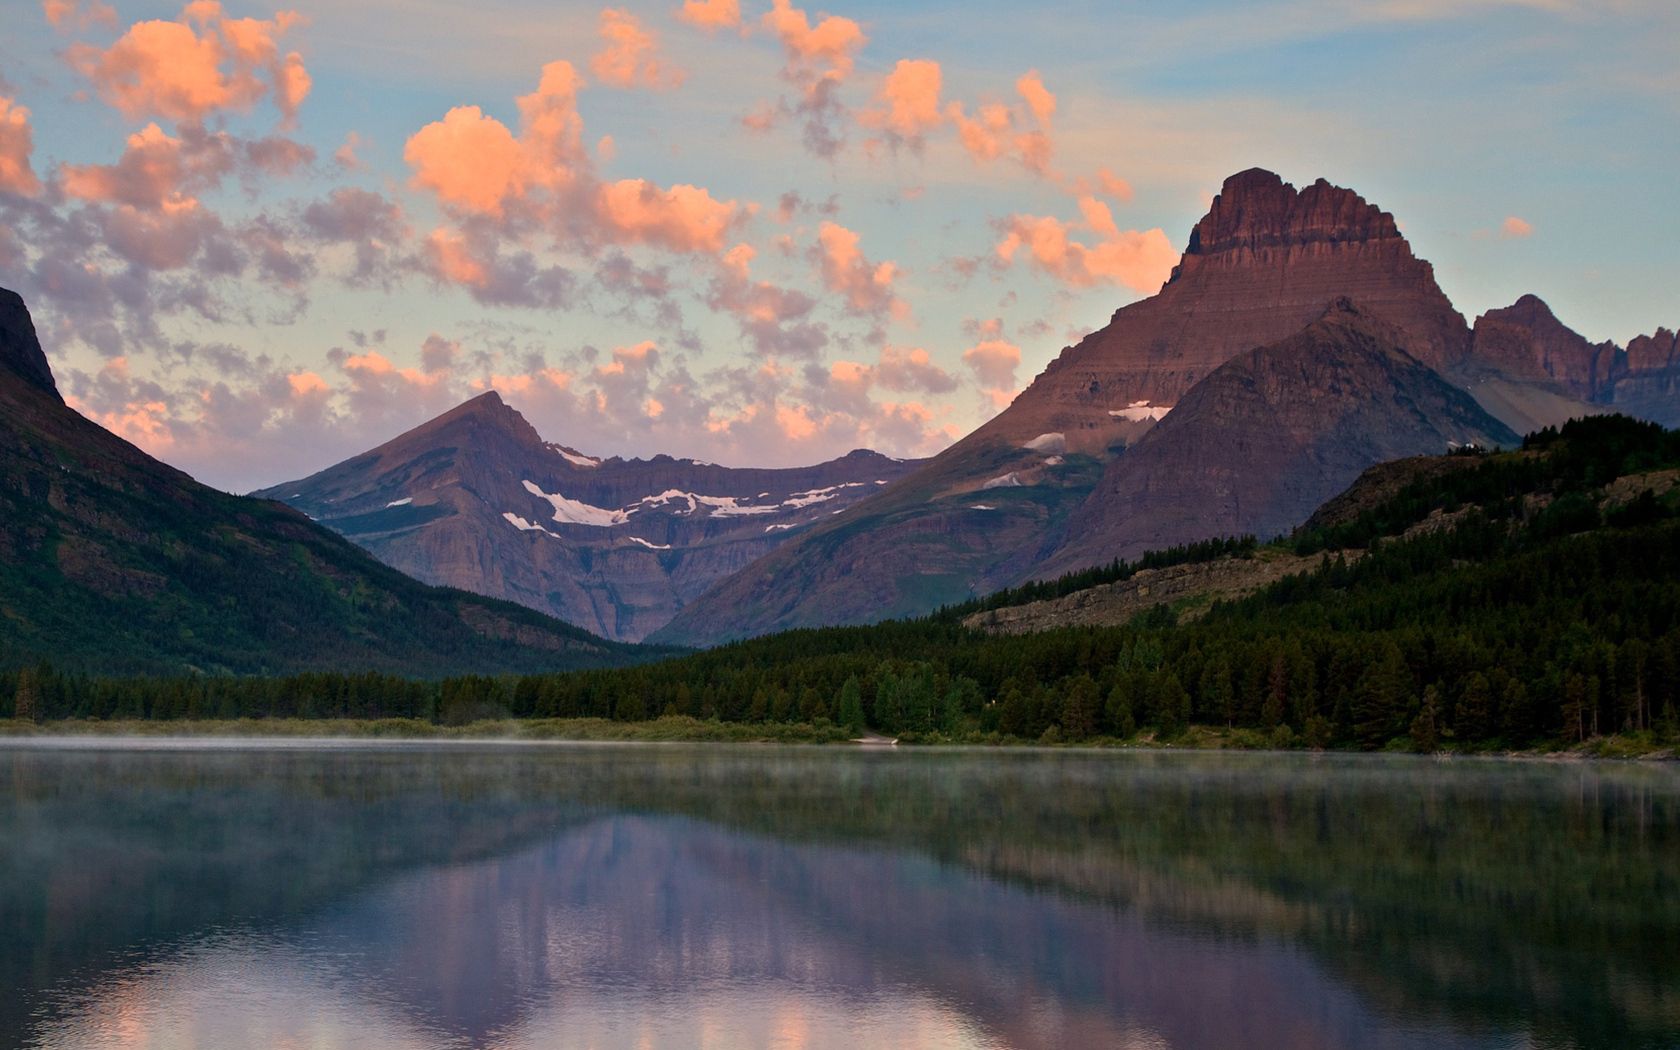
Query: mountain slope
{"type": "Point", "coordinates": [112, 561]}
{"type": "Point", "coordinates": [1263, 263]}
{"type": "Point", "coordinates": [476, 499]}
{"type": "Point", "coordinates": [1270, 435]}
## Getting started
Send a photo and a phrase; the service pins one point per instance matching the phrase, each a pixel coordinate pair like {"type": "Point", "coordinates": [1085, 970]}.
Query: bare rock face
{"type": "Point", "coordinates": [1268, 437]}
{"type": "Point", "coordinates": [1264, 262]}
{"type": "Point", "coordinates": [1647, 384]}
{"type": "Point", "coordinates": [20, 349]}
{"type": "Point", "coordinates": [1526, 341]}
{"type": "Point", "coordinates": [1531, 370]}
{"type": "Point", "coordinates": [476, 499]}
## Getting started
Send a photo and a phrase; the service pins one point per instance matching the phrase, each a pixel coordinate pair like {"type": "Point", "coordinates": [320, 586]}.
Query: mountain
{"type": "Point", "coordinates": [1263, 264]}
{"type": "Point", "coordinates": [111, 561]}
{"type": "Point", "coordinates": [477, 499]}
{"type": "Point", "coordinates": [1256, 446]}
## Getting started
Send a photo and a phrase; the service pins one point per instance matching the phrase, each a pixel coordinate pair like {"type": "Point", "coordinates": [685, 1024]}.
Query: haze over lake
{"type": "Point", "coordinates": [647, 896]}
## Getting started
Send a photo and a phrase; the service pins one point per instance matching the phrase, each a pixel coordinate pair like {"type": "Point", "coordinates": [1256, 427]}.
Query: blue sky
{"type": "Point", "coordinates": [250, 308]}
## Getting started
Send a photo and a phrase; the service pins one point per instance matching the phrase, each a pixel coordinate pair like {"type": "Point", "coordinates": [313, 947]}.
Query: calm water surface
{"type": "Point", "coordinates": [407, 896]}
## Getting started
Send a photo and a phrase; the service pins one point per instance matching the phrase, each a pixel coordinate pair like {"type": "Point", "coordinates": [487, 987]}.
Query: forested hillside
{"type": "Point", "coordinates": [1528, 597]}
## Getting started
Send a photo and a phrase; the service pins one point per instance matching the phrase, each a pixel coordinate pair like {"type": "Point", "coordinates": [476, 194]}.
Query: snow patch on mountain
{"type": "Point", "coordinates": [575, 512]}
{"type": "Point", "coordinates": [1140, 411]}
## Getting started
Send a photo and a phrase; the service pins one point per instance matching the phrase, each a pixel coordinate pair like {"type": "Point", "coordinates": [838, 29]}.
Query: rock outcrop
{"type": "Point", "coordinates": [476, 499]}
{"type": "Point", "coordinates": [20, 349]}
{"type": "Point", "coordinates": [1258, 445]}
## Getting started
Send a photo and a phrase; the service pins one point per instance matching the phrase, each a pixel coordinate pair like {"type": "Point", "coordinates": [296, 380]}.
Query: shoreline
{"type": "Point", "coordinates": [682, 730]}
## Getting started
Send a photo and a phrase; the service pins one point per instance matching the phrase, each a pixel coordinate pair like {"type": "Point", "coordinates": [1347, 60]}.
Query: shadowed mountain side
{"type": "Point", "coordinates": [1267, 438]}
{"type": "Point", "coordinates": [111, 561]}
{"type": "Point", "coordinates": [476, 499]}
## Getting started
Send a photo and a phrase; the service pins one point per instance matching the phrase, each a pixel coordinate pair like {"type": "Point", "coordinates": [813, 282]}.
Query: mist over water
{"type": "Point", "coordinates": [674, 896]}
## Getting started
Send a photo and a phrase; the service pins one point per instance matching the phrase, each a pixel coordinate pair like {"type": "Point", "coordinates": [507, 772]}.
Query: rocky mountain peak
{"type": "Point", "coordinates": [487, 409]}
{"type": "Point", "coordinates": [20, 349]}
{"type": "Point", "coordinates": [1256, 209]}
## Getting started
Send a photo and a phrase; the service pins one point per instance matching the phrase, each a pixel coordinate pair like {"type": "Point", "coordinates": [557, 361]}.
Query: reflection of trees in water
{"type": "Point", "coordinates": [1504, 894]}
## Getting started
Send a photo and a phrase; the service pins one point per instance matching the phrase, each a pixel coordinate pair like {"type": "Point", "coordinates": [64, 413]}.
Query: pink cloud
{"type": "Point", "coordinates": [1514, 227]}
{"type": "Point", "coordinates": [17, 143]}
{"type": "Point", "coordinates": [1037, 97]}
{"type": "Point", "coordinates": [682, 218]}
{"type": "Point", "coordinates": [908, 100]}
{"type": "Point", "coordinates": [629, 55]}
{"type": "Point", "coordinates": [1021, 130]}
{"type": "Point", "coordinates": [867, 286]}
{"type": "Point", "coordinates": [204, 63]}
{"type": "Point", "coordinates": [826, 50]}
{"type": "Point", "coordinates": [468, 160]}
{"type": "Point", "coordinates": [1139, 260]}
{"type": "Point", "coordinates": [78, 14]}
{"type": "Point", "coordinates": [993, 362]}
{"type": "Point", "coordinates": [711, 15]}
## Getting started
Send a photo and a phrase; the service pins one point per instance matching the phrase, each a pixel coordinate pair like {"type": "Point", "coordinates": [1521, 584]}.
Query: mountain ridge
{"type": "Point", "coordinates": [112, 561]}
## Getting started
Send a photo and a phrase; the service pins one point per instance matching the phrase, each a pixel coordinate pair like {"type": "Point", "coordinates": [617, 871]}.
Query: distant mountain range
{"type": "Point", "coordinates": [1360, 348]}
{"type": "Point", "coordinates": [1298, 342]}
{"type": "Point", "coordinates": [112, 562]}
{"type": "Point", "coordinates": [477, 499]}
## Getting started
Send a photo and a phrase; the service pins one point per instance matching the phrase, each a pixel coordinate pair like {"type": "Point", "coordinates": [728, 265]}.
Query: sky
{"type": "Point", "coordinates": [257, 240]}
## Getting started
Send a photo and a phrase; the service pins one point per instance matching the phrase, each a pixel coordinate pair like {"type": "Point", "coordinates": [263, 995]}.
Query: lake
{"type": "Point", "coordinates": [302, 895]}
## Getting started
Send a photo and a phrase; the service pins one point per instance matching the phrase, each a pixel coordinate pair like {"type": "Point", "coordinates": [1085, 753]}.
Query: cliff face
{"type": "Point", "coordinates": [1268, 437]}
{"type": "Point", "coordinates": [20, 349]}
{"type": "Point", "coordinates": [476, 499]}
{"type": "Point", "coordinates": [1532, 370]}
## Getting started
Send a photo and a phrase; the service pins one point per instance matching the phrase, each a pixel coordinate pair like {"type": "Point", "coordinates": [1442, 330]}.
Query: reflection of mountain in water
{"type": "Point", "coordinates": [684, 920]}
{"type": "Point", "coordinates": [1210, 900]}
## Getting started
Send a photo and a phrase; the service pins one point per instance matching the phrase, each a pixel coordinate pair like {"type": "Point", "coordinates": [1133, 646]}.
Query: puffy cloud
{"type": "Point", "coordinates": [826, 50]}
{"type": "Point", "coordinates": [711, 15]}
{"type": "Point", "coordinates": [909, 100]}
{"type": "Point", "coordinates": [682, 218]}
{"type": "Point", "coordinates": [1022, 130]}
{"type": "Point", "coordinates": [1515, 227]}
{"type": "Point", "coordinates": [17, 142]}
{"type": "Point", "coordinates": [474, 260]}
{"type": "Point", "coordinates": [473, 162]}
{"type": "Point", "coordinates": [203, 63]}
{"type": "Point", "coordinates": [772, 318]}
{"type": "Point", "coordinates": [867, 286]}
{"type": "Point", "coordinates": [819, 58]}
{"type": "Point", "coordinates": [155, 167]}
{"type": "Point", "coordinates": [911, 368]}
{"type": "Point", "coordinates": [1139, 260]}
{"type": "Point", "coordinates": [993, 362]}
{"type": "Point", "coordinates": [628, 58]}
{"type": "Point", "coordinates": [372, 226]}
{"type": "Point", "coordinates": [541, 183]}
{"type": "Point", "coordinates": [1037, 97]}
{"type": "Point", "coordinates": [901, 369]}
{"type": "Point", "coordinates": [468, 160]}
{"type": "Point", "coordinates": [78, 14]}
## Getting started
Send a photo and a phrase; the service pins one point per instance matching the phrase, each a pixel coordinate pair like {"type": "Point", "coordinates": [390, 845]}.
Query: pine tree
{"type": "Point", "coordinates": [26, 705]}
{"type": "Point", "coordinates": [850, 705]}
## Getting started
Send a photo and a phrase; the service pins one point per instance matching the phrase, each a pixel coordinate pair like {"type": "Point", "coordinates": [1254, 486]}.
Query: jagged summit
{"type": "Point", "coordinates": [1256, 209]}
{"type": "Point", "coordinates": [20, 348]}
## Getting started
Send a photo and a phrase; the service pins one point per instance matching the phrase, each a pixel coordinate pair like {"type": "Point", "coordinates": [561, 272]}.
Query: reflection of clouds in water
{"type": "Point", "coordinates": [659, 932]}
{"type": "Point", "coordinates": [253, 992]}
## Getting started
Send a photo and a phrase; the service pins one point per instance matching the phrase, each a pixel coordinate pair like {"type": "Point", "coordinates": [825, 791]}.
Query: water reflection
{"type": "Point", "coordinates": [751, 897]}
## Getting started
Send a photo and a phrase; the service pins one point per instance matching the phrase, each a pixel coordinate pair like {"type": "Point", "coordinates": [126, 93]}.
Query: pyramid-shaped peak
{"type": "Point", "coordinates": [20, 348]}
{"type": "Point", "coordinates": [1256, 209]}
{"type": "Point", "coordinates": [487, 409]}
